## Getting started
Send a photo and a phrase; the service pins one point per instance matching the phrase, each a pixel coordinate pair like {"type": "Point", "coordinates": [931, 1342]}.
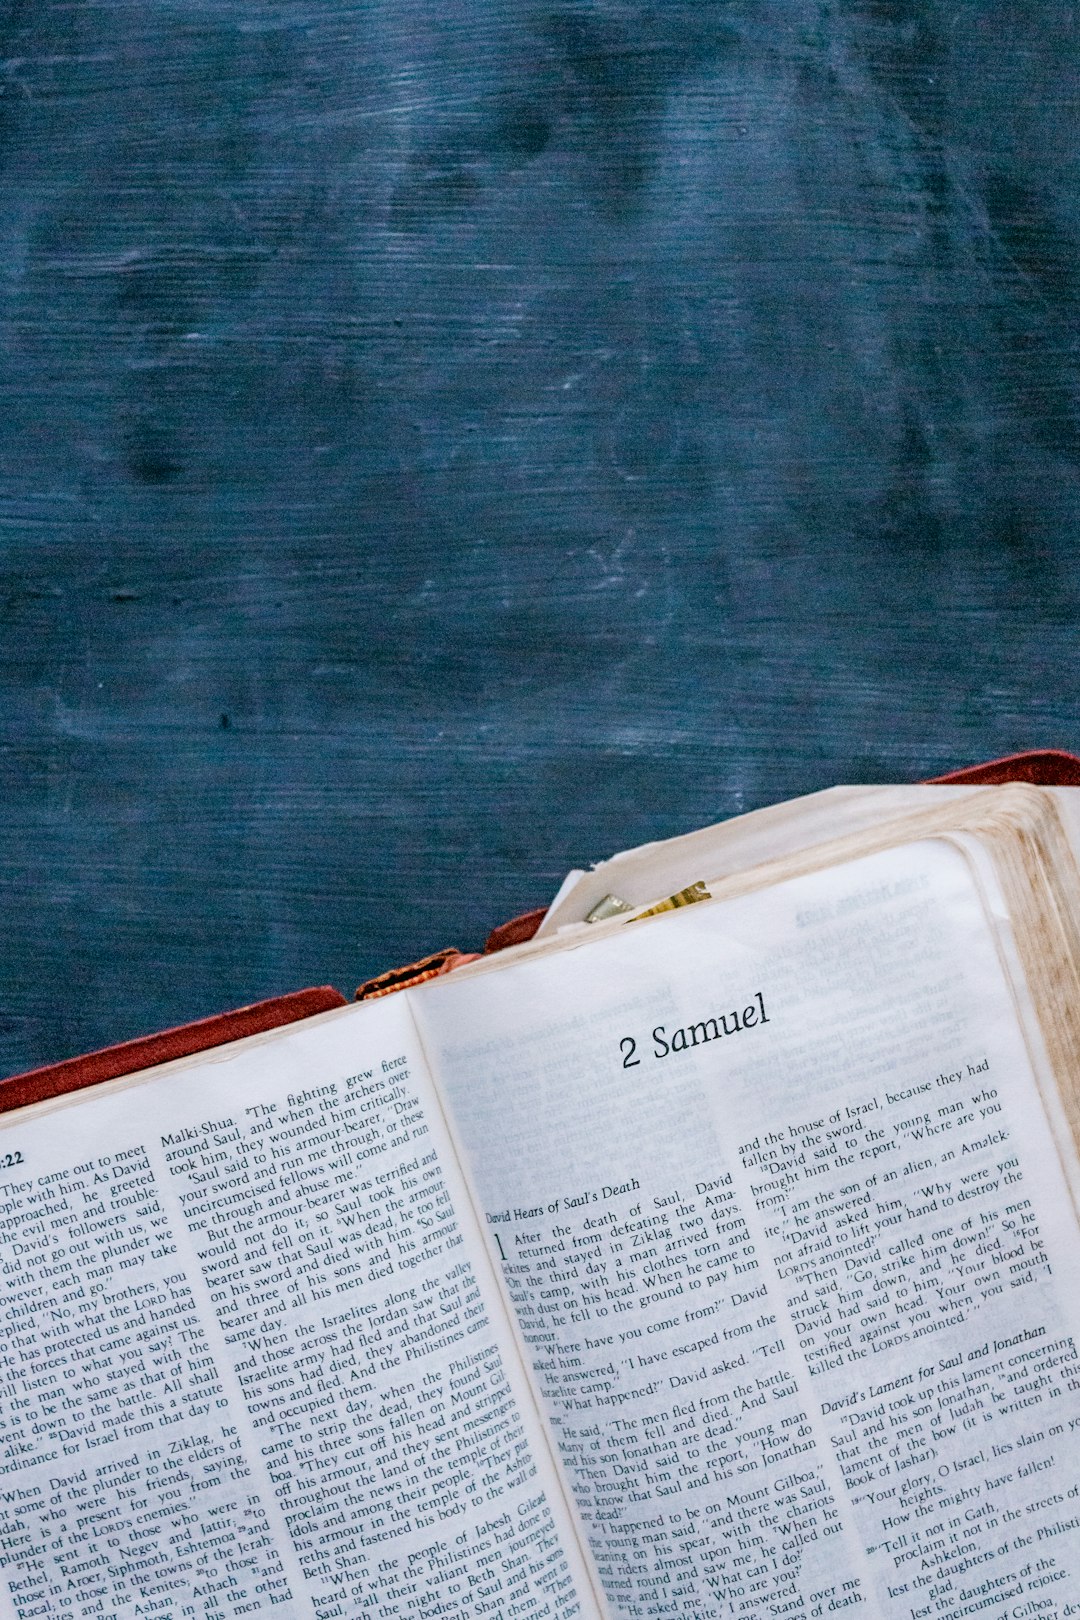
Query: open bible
{"type": "Point", "coordinates": [711, 1263]}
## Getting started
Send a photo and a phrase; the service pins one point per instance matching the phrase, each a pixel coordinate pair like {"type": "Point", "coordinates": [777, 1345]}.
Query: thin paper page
{"type": "Point", "coordinates": [648, 873]}
{"type": "Point", "coordinates": [255, 1360]}
{"type": "Point", "coordinates": [790, 1243]}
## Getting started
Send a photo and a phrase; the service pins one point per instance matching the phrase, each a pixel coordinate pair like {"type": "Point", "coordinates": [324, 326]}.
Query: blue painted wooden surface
{"type": "Point", "coordinates": [445, 442]}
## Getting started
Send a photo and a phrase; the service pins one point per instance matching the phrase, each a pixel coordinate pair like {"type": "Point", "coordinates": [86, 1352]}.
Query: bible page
{"type": "Point", "coordinates": [791, 1248]}
{"type": "Point", "coordinates": [255, 1360]}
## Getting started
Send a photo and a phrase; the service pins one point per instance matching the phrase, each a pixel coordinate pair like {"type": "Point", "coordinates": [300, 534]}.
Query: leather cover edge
{"type": "Point", "coordinates": [146, 1051]}
{"type": "Point", "coordinates": [1044, 767]}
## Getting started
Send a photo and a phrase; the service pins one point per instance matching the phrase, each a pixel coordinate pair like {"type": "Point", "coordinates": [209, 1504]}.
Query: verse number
{"type": "Point", "coordinates": [628, 1046]}
{"type": "Point", "coordinates": [8, 1161]}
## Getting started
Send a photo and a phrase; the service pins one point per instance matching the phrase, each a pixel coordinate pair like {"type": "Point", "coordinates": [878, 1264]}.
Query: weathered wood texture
{"type": "Point", "coordinates": [446, 441]}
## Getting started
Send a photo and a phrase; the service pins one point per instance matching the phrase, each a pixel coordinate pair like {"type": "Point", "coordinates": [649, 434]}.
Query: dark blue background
{"type": "Point", "coordinates": [446, 441]}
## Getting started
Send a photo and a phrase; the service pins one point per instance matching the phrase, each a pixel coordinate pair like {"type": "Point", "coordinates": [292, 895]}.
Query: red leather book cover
{"type": "Point", "coordinates": [144, 1052]}
{"type": "Point", "coordinates": [1045, 767]}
